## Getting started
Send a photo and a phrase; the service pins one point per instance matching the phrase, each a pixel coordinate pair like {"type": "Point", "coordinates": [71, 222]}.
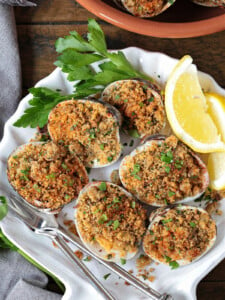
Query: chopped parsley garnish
{"type": "Point", "coordinates": [167, 221]}
{"type": "Point", "coordinates": [170, 193]}
{"type": "Point", "coordinates": [102, 146]}
{"type": "Point", "coordinates": [26, 171]}
{"type": "Point", "coordinates": [123, 261]}
{"type": "Point", "coordinates": [116, 224]}
{"type": "Point", "coordinates": [52, 175]}
{"type": "Point", "coordinates": [109, 223]}
{"type": "Point", "coordinates": [151, 232]}
{"type": "Point", "coordinates": [64, 166]}
{"type": "Point", "coordinates": [133, 203]}
{"type": "Point", "coordinates": [178, 164]}
{"type": "Point", "coordinates": [172, 263]}
{"type": "Point", "coordinates": [106, 276]}
{"type": "Point", "coordinates": [134, 133]}
{"type": "Point", "coordinates": [192, 224]}
{"type": "Point", "coordinates": [167, 169]}
{"type": "Point", "coordinates": [102, 186]}
{"type": "Point", "coordinates": [116, 200]}
{"type": "Point", "coordinates": [136, 169]}
{"type": "Point", "coordinates": [150, 99]}
{"type": "Point", "coordinates": [88, 258]}
{"type": "Point", "coordinates": [102, 219]}
{"type": "Point", "coordinates": [109, 158]}
{"type": "Point", "coordinates": [92, 134]}
{"type": "Point", "coordinates": [167, 157]}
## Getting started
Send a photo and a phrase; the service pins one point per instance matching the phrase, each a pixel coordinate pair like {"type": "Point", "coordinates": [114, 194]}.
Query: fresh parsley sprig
{"type": "Point", "coordinates": [76, 55]}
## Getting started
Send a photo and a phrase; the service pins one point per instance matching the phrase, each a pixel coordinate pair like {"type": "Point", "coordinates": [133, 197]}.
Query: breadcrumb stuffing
{"type": "Point", "coordinates": [108, 217]}
{"type": "Point", "coordinates": [163, 173]}
{"type": "Point", "coordinates": [140, 104]}
{"type": "Point", "coordinates": [46, 175]}
{"type": "Point", "coordinates": [180, 234]}
{"type": "Point", "coordinates": [88, 129]}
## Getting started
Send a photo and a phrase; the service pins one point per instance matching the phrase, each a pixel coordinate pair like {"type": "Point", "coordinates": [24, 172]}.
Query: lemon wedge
{"type": "Point", "coordinates": [216, 161]}
{"type": "Point", "coordinates": [216, 169]}
{"type": "Point", "coordinates": [187, 109]}
{"type": "Point", "coordinates": [216, 109]}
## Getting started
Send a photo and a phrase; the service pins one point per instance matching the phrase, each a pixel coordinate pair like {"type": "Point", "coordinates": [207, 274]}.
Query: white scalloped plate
{"type": "Point", "coordinates": [180, 283]}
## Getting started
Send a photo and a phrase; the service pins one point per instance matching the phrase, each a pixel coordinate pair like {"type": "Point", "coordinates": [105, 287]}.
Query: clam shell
{"type": "Point", "coordinates": [96, 248]}
{"type": "Point", "coordinates": [38, 204]}
{"type": "Point", "coordinates": [157, 215]}
{"type": "Point", "coordinates": [159, 7]}
{"type": "Point", "coordinates": [210, 3]}
{"type": "Point", "coordinates": [147, 142]}
{"type": "Point", "coordinates": [153, 87]}
{"type": "Point", "coordinates": [117, 116]}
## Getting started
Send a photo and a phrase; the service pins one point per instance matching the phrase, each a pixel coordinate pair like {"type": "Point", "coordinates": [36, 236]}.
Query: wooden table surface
{"type": "Point", "coordinates": [39, 27]}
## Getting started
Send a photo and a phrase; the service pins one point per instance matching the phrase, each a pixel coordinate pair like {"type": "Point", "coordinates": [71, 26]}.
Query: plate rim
{"type": "Point", "coordinates": [23, 104]}
{"type": "Point", "coordinates": [153, 28]}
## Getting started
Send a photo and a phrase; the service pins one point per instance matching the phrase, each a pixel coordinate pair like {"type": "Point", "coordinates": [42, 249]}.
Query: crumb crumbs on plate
{"type": "Point", "coordinates": [79, 254]}
{"type": "Point", "coordinates": [143, 261]}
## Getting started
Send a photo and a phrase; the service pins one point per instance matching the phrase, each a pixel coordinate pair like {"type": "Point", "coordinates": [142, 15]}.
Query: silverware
{"type": "Point", "coordinates": [38, 225]}
{"type": "Point", "coordinates": [46, 224]}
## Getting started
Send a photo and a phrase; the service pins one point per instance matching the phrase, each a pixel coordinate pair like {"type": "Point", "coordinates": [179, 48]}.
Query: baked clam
{"type": "Point", "coordinates": [109, 221]}
{"type": "Point", "coordinates": [140, 103]}
{"type": "Point", "coordinates": [144, 8]}
{"type": "Point", "coordinates": [164, 171]}
{"type": "Point", "coordinates": [88, 128]}
{"type": "Point", "coordinates": [179, 235]}
{"type": "Point", "coordinates": [46, 175]}
{"type": "Point", "coordinates": [210, 3]}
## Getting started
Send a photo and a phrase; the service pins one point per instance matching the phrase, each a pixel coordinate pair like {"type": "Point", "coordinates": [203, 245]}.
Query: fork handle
{"type": "Point", "coordinates": [70, 254]}
{"type": "Point", "coordinates": [150, 292]}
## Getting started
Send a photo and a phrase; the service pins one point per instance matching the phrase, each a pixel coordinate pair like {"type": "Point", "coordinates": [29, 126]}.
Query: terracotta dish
{"type": "Point", "coordinates": [183, 19]}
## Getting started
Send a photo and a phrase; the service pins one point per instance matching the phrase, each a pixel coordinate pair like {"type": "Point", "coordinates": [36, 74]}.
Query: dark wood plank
{"type": "Point", "coordinates": [52, 11]}
{"type": "Point", "coordinates": [38, 54]}
{"type": "Point", "coordinates": [211, 290]}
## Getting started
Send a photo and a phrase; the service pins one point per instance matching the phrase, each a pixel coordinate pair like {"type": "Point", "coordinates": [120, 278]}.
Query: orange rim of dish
{"type": "Point", "coordinates": [153, 28]}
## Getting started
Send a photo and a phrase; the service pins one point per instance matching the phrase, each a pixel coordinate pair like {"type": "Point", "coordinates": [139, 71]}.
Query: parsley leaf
{"type": "Point", "coordinates": [76, 54]}
{"type": "Point", "coordinates": [3, 207]}
{"type": "Point", "coordinates": [43, 101]}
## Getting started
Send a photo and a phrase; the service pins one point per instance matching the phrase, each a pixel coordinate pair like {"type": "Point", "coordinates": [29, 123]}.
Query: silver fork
{"type": "Point", "coordinates": [38, 224]}
{"type": "Point", "coordinates": [46, 224]}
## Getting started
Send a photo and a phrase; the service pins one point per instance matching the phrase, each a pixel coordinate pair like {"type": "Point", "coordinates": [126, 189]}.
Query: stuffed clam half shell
{"type": "Point", "coordinates": [210, 3]}
{"type": "Point", "coordinates": [109, 221]}
{"type": "Point", "coordinates": [144, 8]}
{"type": "Point", "coordinates": [179, 235]}
{"type": "Point", "coordinates": [164, 171]}
{"type": "Point", "coordinates": [45, 175]}
{"type": "Point", "coordinates": [140, 103]}
{"type": "Point", "coordinates": [88, 128]}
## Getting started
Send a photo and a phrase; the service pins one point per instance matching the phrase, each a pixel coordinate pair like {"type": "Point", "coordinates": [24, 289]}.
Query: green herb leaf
{"type": "Point", "coordinates": [102, 219]}
{"type": "Point", "coordinates": [41, 104]}
{"type": "Point", "coordinates": [170, 193]}
{"type": "Point", "coordinates": [134, 133]}
{"type": "Point", "coordinates": [192, 224]}
{"type": "Point", "coordinates": [106, 276]}
{"type": "Point", "coordinates": [102, 187]}
{"type": "Point", "coordinates": [174, 265]}
{"type": "Point", "coordinates": [76, 56]}
{"type": "Point", "coordinates": [123, 261]}
{"type": "Point", "coordinates": [3, 207]}
{"type": "Point", "coordinates": [88, 258]}
{"type": "Point", "coordinates": [167, 221]}
{"type": "Point", "coordinates": [116, 224]}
